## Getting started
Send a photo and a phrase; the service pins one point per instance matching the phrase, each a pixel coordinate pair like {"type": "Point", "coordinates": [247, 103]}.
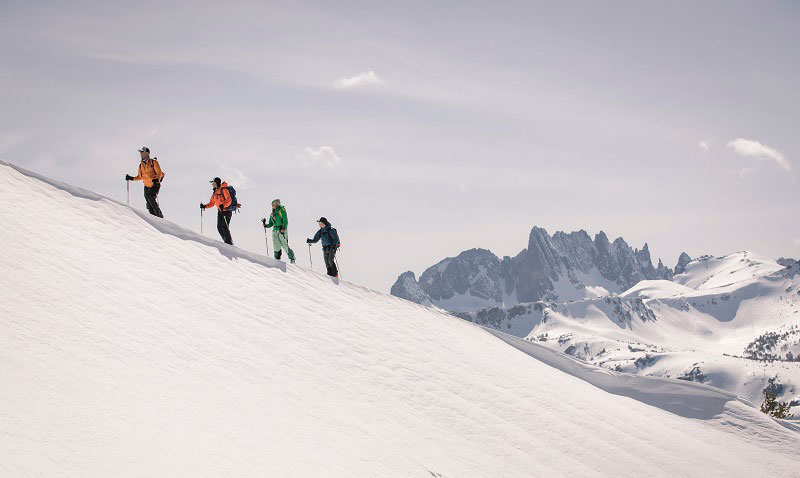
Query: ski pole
{"type": "Point", "coordinates": [128, 187]}
{"type": "Point", "coordinates": [336, 261]}
{"type": "Point", "coordinates": [201, 222]}
{"type": "Point", "coordinates": [286, 240]}
{"type": "Point", "coordinates": [266, 240]}
{"type": "Point", "coordinates": [309, 257]}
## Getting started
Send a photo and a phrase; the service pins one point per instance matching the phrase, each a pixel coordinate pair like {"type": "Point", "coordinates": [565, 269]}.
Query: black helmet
{"type": "Point", "coordinates": [144, 149]}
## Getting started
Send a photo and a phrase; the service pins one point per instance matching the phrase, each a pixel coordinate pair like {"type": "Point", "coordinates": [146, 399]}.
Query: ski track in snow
{"type": "Point", "coordinates": [132, 347]}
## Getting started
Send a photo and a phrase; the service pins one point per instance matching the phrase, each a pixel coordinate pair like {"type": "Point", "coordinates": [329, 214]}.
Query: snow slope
{"type": "Point", "coordinates": [648, 289]}
{"type": "Point", "coordinates": [712, 272]}
{"type": "Point", "coordinates": [732, 322]}
{"type": "Point", "coordinates": [132, 347]}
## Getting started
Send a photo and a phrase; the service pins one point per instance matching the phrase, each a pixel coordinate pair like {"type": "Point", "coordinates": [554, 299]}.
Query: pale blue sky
{"type": "Point", "coordinates": [478, 121]}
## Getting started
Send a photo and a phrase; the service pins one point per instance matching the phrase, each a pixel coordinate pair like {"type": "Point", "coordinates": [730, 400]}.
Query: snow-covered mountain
{"type": "Point", "coordinates": [130, 346]}
{"type": "Point", "coordinates": [560, 267]}
{"type": "Point", "coordinates": [732, 322]}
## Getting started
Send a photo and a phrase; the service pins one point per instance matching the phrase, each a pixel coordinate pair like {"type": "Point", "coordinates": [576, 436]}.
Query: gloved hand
{"type": "Point", "coordinates": [202, 206]}
{"type": "Point", "coordinates": [264, 222]}
{"type": "Point", "coordinates": [155, 182]}
{"type": "Point", "coordinates": [309, 241]}
{"type": "Point", "coordinates": [128, 177]}
{"type": "Point", "coordinates": [283, 231]}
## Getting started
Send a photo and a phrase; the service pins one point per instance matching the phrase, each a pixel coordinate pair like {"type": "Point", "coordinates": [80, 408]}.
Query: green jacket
{"type": "Point", "coordinates": [278, 218]}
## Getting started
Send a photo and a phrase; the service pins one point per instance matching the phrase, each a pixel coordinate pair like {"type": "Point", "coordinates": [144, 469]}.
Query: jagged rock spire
{"type": "Point", "coordinates": [573, 261]}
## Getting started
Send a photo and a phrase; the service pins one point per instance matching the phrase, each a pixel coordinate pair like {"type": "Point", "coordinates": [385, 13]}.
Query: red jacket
{"type": "Point", "coordinates": [221, 197]}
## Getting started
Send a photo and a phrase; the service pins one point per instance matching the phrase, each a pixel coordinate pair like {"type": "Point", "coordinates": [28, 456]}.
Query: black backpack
{"type": "Point", "coordinates": [234, 203]}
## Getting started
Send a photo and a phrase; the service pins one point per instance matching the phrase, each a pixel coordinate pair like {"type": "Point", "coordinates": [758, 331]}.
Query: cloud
{"type": "Point", "coordinates": [797, 242]}
{"type": "Point", "coordinates": [323, 157]}
{"type": "Point", "coordinates": [234, 177]}
{"type": "Point", "coordinates": [705, 145]}
{"type": "Point", "coordinates": [759, 152]}
{"type": "Point", "coordinates": [362, 79]}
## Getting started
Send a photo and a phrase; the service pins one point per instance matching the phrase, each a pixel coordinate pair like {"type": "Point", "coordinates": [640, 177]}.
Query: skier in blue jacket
{"type": "Point", "coordinates": [330, 244]}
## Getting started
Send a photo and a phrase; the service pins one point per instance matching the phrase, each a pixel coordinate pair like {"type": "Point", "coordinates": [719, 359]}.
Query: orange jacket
{"type": "Point", "coordinates": [221, 197]}
{"type": "Point", "coordinates": [149, 170]}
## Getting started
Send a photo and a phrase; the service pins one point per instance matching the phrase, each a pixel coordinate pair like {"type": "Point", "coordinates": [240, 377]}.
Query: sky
{"type": "Point", "coordinates": [421, 129]}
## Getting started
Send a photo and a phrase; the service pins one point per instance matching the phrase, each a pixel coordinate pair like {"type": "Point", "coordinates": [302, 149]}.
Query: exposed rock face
{"type": "Point", "coordinates": [683, 260]}
{"type": "Point", "coordinates": [476, 271]}
{"type": "Point", "coordinates": [406, 287]}
{"type": "Point", "coordinates": [561, 266]}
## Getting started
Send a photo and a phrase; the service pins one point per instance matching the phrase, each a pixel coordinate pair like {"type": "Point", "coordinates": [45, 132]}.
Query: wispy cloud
{"type": "Point", "coordinates": [323, 157]}
{"type": "Point", "coordinates": [234, 177]}
{"type": "Point", "coordinates": [367, 78]}
{"type": "Point", "coordinates": [759, 152]}
{"type": "Point", "coordinates": [705, 145]}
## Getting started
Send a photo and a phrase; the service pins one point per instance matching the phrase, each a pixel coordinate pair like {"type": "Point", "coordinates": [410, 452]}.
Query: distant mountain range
{"type": "Point", "coordinates": [560, 267]}
{"type": "Point", "coordinates": [732, 322]}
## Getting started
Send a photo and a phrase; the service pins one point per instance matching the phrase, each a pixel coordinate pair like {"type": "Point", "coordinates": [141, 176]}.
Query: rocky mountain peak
{"type": "Point", "coordinates": [683, 261]}
{"type": "Point", "coordinates": [561, 266]}
{"type": "Point", "coordinates": [407, 287]}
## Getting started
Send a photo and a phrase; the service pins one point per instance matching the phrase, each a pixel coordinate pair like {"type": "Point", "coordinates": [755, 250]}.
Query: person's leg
{"type": "Point", "coordinates": [151, 197]}
{"type": "Point", "coordinates": [285, 243]}
{"type": "Point", "coordinates": [276, 243]}
{"type": "Point", "coordinates": [222, 228]}
{"type": "Point", "coordinates": [148, 201]}
{"type": "Point", "coordinates": [325, 260]}
{"type": "Point", "coordinates": [228, 215]}
{"type": "Point", "coordinates": [330, 261]}
{"type": "Point", "coordinates": [157, 207]}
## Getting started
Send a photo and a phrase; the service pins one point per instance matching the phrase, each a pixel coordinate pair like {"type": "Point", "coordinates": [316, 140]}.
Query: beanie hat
{"type": "Point", "coordinates": [276, 202]}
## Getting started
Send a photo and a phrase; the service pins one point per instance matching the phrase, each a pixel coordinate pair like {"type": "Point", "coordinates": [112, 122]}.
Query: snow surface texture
{"type": "Point", "coordinates": [132, 347]}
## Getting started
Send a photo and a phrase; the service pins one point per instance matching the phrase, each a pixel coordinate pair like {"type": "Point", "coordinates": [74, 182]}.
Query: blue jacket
{"type": "Point", "coordinates": [329, 237]}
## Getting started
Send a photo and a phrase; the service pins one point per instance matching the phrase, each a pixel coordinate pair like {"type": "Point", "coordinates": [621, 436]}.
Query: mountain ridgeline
{"type": "Point", "coordinates": [553, 268]}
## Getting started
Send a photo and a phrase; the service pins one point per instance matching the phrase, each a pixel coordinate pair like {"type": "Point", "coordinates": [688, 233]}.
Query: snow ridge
{"type": "Point", "coordinates": [124, 353]}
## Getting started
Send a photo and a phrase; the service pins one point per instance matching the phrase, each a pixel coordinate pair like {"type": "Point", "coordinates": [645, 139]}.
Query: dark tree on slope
{"type": "Point", "coordinates": [773, 407]}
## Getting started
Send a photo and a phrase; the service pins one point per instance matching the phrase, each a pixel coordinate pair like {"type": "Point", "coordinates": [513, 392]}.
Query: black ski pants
{"type": "Point", "coordinates": [330, 261]}
{"type": "Point", "coordinates": [151, 198]}
{"type": "Point", "coordinates": [223, 225]}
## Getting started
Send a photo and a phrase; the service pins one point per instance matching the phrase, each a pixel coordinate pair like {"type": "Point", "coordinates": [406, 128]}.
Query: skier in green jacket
{"type": "Point", "coordinates": [279, 222]}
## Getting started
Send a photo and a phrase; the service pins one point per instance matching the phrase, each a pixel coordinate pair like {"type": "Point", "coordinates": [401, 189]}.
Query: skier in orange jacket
{"type": "Point", "coordinates": [222, 198]}
{"type": "Point", "coordinates": [150, 173]}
